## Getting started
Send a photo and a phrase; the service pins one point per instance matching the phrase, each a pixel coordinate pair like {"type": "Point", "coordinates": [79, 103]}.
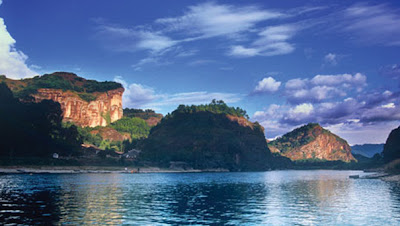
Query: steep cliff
{"type": "Point", "coordinates": [106, 108]}
{"type": "Point", "coordinates": [83, 102]}
{"type": "Point", "coordinates": [312, 142]}
{"type": "Point", "coordinates": [203, 139]}
{"type": "Point", "coordinates": [391, 150]}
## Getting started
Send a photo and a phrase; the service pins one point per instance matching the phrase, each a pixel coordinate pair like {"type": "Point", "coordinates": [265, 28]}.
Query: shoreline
{"type": "Point", "coordinates": [97, 170]}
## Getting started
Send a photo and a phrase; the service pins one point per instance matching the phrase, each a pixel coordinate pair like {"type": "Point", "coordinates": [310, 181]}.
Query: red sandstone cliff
{"type": "Point", "coordinates": [105, 109]}
{"type": "Point", "coordinates": [84, 102]}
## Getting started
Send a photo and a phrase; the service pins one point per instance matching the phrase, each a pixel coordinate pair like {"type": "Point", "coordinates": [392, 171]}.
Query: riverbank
{"type": "Point", "coordinates": [378, 173]}
{"type": "Point", "coordinates": [96, 169]}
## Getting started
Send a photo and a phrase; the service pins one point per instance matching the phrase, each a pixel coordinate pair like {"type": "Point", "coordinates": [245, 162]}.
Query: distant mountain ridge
{"type": "Point", "coordinates": [312, 142]}
{"type": "Point", "coordinates": [367, 150]}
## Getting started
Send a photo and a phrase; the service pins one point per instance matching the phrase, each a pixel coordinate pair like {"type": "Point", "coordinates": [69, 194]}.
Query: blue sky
{"type": "Point", "coordinates": [286, 62]}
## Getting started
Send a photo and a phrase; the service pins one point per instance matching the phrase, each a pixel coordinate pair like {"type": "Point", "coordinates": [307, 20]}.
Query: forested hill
{"type": "Point", "coordinates": [206, 137]}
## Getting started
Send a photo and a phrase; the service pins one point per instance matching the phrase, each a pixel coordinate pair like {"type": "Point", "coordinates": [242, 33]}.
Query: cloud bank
{"type": "Point", "coordinates": [12, 61]}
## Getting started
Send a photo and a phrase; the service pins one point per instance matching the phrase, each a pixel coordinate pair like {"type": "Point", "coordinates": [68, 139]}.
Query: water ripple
{"type": "Point", "coordinates": [268, 198]}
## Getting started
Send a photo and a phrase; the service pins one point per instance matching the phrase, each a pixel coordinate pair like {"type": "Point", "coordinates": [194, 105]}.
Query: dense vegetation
{"type": "Point", "coordinates": [59, 80]}
{"type": "Point", "coordinates": [136, 127]}
{"type": "Point", "coordinates": [216, 107]}
{"type": "Point", "coordinates": [33, 129]}
{"type": "Point", "coordinates": [202, 138]}
{"type": "Point", "coordinates": [139, 113]}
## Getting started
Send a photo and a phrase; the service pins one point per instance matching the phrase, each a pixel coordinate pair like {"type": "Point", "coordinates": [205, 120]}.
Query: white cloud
{"type": "Point", "coordinates": [373, 24]}
{"type": "Point", "coordinates": [302, 109]}
{"type": "Point", "coordinates": [133, 39]}
{"type": "Point", "coordinates": [201, 62]}
{"type": "Point", "coordinates": [240, 25]}
{"type": "Point", "coordinates": [210, 20]}
{"type": "Point", "coordinates": [389, 105]}
{"type": "Point", "coordinates": [322, 87]}
{"type": "Point", "coordinates": [243, 51]}
{"type": "Point", "coordinates": [136, 95]}
{"type": "Point", "coordinates": [362, 113]}
{"type": "Point", "coordinates": [267, 85]}
{"type": "Point", "coordinates": [12, 61]}
{"type": "Point", "coordinates": [140, 96]}
{"type": "Point", "coordinates": [271, 41]}
{"type": "Point", "coordinates": [153, 41]}
{"type": "Point", "coordinates": [355, 133]}
{"type": "Point", "coordinates": [330, 59]}
{"type": "Point", "coordinates": [296, 83]}
{"type": "Point", "coordinates": [358, 80]}
{"type": "Point", "coordinates": [201, 97]}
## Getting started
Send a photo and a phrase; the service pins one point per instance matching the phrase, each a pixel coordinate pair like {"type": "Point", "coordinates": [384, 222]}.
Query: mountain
{"type": "Point", "coordinates": [32, 130]}
{"type": "Point", "coordinates": [391, 150]}
{"type": "Point", "coordinates": [83, 102]}
{"type": "Point", "coordinates": [312, 142]}
{"type": "Point", "coordinates": [367, 150]}
{"type": "Point", "coordinates": [207, 137]}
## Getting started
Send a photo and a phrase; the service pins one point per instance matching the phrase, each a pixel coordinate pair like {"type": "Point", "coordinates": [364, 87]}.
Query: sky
{"type": "Point", "coordinates": [287, 63]}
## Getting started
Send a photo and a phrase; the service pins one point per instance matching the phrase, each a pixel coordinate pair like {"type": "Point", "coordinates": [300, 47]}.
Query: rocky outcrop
{"type": "Point", "coordinates": [153, 121]}
{"type": "Point", "coordinates": [83, 102]}
{"type": "Point", "coordinates": [106, 108]}
{"type": "Point", "coordinates": [312, 142]}
{"type": "Point", "coordinates": [111, 134]}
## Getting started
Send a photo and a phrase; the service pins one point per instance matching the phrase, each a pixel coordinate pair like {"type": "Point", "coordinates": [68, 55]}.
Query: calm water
{"type": "Point", "coordinates": [277, 198]}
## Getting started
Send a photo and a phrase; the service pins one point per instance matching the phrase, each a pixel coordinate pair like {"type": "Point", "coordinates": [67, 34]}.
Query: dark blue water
{"type": "Point", "coordinates": [274, 198]}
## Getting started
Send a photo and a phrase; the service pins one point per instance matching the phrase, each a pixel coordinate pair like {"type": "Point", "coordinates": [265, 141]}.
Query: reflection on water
{"type": "Point", "coordinates": [277, 197]}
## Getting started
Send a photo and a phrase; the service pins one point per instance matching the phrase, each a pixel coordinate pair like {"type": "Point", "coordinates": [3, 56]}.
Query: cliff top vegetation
{"type": "Point", "coordinates": [216, 107]}
{"type": "Point", "coordinates": [59, 80]}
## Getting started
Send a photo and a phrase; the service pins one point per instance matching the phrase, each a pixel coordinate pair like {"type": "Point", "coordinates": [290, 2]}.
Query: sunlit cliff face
{"type": "Point", "coordinates": [105, 109]}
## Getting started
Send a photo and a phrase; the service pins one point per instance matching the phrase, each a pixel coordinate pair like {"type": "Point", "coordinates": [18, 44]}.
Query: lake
{"type": "Point", "coordinates": [323, 197]}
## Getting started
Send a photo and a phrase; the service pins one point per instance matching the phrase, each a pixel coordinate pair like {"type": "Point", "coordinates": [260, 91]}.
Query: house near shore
{"type": "Point", "coordinates": [132, 154]}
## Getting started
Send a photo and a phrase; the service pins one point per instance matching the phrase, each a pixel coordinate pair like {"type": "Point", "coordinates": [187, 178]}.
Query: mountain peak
{"type": "Point", "coordinates": [312, 141]}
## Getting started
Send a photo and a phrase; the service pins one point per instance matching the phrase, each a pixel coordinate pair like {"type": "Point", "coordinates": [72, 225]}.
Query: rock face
{"type": "Point", "coordinates": [84, 102]}
{"type": "Point", "coordinates": [111, 134]}
{"type": "Point", "coordinates": [105, 109]}
{"type": "Point", "coordinates": [311, 142]}
{"type": "Point", "coordinates": [391, 150]}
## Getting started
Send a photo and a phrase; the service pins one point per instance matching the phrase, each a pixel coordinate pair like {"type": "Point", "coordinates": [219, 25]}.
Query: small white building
{"type": "Point", "coordinates": [132, 154]}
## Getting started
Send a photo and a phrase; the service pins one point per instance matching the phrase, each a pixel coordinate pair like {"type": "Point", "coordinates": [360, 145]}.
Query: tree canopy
{"type": "Point", "coordinates": [216, 107]}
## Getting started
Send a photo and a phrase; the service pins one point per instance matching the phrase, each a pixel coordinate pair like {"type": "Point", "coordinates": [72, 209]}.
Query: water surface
{"type": "Point", "coordinates": [320, 197]}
